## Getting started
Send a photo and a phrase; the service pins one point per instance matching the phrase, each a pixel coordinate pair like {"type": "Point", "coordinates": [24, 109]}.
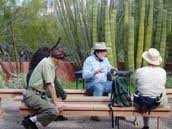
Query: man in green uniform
{"type": "Point", "coordinates": [41, 86]}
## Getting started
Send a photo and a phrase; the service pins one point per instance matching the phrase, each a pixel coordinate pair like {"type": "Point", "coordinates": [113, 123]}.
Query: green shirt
{"type": "Point", "coordinates": [43, 73]}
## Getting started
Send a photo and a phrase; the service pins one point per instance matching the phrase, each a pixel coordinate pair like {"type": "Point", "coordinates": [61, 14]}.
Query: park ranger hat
{"type": "Point", "coordinates": [58, 53]}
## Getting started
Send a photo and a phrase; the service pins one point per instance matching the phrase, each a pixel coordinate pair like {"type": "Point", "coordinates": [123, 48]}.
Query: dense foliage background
{"type": "Point", "coordinates": [127, 26]}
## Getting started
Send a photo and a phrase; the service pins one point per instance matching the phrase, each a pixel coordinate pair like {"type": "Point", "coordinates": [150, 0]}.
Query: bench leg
{"type": "Point", "coordinates": [117, 121]}
{"type": "Point", "coordinates": [77, 84]}
{"type": "Point", "coordinates": [135, 122]}
{"type": "Point", "coordinates": [158, 122]}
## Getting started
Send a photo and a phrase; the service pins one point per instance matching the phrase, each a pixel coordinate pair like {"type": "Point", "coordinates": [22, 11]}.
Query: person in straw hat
{"type": "Point", "coordinates": [95, 70]}
{"type": "Point", "coordinates": [151, 79]}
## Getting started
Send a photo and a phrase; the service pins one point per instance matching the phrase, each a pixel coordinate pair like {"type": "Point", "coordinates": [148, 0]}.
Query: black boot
{"type": "Point", "coordinates": [61, 118]}
{"type": "Point", "coordinates": [28, 124]}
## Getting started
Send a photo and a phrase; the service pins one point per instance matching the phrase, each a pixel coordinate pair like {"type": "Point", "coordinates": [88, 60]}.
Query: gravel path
{"type": "Point", "coordinates": [11, 120]}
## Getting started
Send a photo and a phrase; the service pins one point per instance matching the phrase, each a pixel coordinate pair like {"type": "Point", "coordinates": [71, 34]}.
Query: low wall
{"type": "Point", "coordinates": [65, 71]}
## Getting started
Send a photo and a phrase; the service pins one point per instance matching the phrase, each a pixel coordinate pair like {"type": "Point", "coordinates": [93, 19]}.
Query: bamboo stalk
{"type": "Point", "coordinates": [108, 35]}
{"type": "Point", "coordinates": [113, 36]}
{"type": "Point", "coordinates": [159, 24]}
{"type": "Point", "coordinates": [149, 28]}
{"type": "Point", "coordinates": [126, 25]}
{"type": "Point", "coordinates": [163, 37]}
{"type": "Point", "coordinates": [169, 23]}
{"type": "Point", "coordinates": [94, 25]}
{"type": "Point", "coordinates": [131, 45]}
{"type": "Point", "coordinates": [140, 36]}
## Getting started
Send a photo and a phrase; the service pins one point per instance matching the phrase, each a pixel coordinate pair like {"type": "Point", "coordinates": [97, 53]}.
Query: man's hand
{"type": "Point", "coordinates": [98, 71]}
{"type": "Point", "coordinates": [113, 70]}
{"type": "Point", "coordinates": [59, 105]}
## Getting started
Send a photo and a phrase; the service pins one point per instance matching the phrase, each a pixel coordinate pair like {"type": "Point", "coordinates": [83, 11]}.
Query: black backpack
{"type": "Point", "coordinates": [120, 95]}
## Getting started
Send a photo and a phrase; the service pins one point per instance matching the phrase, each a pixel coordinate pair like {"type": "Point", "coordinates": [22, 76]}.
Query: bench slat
{"type": "Point", "coordinates": [71, 92]}
{"type": "Point", "coordinates": [88, 99]}
{"type": "Point", "coordinates": [103, 110]}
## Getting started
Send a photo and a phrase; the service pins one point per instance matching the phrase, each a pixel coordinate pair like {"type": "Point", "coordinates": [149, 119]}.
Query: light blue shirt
{"type": "Point", "coordinates": [91, 65]}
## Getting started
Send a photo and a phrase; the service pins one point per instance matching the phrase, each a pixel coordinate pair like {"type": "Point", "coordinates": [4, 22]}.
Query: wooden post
{"type": "Point", "coordinates": [158, 122]}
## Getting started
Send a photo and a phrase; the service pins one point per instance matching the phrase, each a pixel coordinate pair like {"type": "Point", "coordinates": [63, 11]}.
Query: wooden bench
{"type": "Point", "coordinates": [10, 92]}
{"type": "Point", "coordinates": [97, 109]}
{"type": "Point", "coordinates": [89, 106]}
{"type": "Point", "coordinates": [0, 108]}
{"type": "Point", "coordinates": [87, 99]}
{"type": "Point", "coordinates": [72, 92]}
{"type": "Point", "coordinates": [169, 93]}
{"type": "Point", "coordinates": [16, 92]}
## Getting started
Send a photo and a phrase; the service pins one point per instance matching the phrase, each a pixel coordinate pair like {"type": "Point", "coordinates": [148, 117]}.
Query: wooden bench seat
{"type": "Point", "coordinates": [10, 92]}
{"type": "Point", "coordinates": [76, 92]}
{"type": "Point", "coordinates": [97, 109]}
{"type": "Point", "coordinates": [169, 93]}
{"type": "Point", "coordinates": [71, 92]}
{"type": "Point", "coordinates": [87, 99]}
{"type": "Point", "coordinates": [80, 100]}
{"type": "Point", "coordinates": [16, 92]}
{"type": "Point", "coordinates": [0, 108]}
{"type": "Point", "coordinates": [70, 109]}
{"type": "Point", "coordinates": [1, 112]}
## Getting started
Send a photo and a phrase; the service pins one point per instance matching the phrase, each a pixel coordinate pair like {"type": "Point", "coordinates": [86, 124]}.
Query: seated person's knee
{"type": "Point", "coordinates": [53, 112]}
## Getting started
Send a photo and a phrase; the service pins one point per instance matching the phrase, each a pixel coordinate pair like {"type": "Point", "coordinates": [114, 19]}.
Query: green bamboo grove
{"type": "Point", "coordinates": [113, 37]}
{"type": "Point", "coordinates": [149, 27]}
{"type": "Point", "coordinates": [141, 30]}
{"type": "Point", "coordinates": [108, 35]}
{"type": "Point", "coordinates": [126, 33]}
{"type": "Point", "coordinates": [129, 27]}
{"type": "Point", "coordinates": [159, 24]}
{"type": "Point", "coordinates": [163, 36]}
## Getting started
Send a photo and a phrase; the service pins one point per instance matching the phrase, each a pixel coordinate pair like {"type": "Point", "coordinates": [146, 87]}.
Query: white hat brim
{"type": "Point", "coordinates": [146, 58]}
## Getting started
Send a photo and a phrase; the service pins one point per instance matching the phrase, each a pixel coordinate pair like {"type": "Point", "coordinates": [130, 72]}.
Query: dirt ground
{"type": "Point", "coordinates": [11, 119]}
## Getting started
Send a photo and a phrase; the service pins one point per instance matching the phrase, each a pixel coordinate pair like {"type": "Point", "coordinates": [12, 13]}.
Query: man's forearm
{"type": "Point", "coordinates": [51, 88]}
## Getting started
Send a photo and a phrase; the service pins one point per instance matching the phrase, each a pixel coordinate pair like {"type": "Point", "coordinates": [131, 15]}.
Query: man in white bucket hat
{"type": "Point", "coordinates": [151, 79]}
{"type": "Point", "coordinates": [95, 70]}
